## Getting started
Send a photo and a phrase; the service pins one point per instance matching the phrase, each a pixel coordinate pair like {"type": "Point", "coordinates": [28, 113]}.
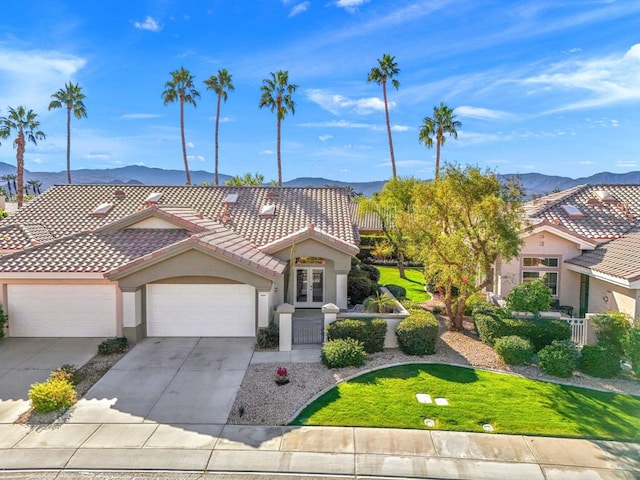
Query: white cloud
{"type": "Point", "coordinates": [301, 7]}
{"type": "Point", "coordinates": [138, 116]}
{"type": "Point", "coordinates": [482, 113]}
{"type": "Point", "coordinates": [324, 138]}
{"type": "Point", "coordinates": [400, 128]}
{"type": "Point", "coordinates": [350, 5]}
{"type": "Point", "coordinates": [97, 156]}
{"type": "Point", "coordinates": [626, 164]}
{"type": "Point", "coordinates": [226, 119]}
{"type": "Point", "coordinates": [190, 145]}
{"type": "Point", "coordinates": [337, 104]}
{"type": "Point", "coordinates": [587, 162]}
{"type": "Point", "coordinates": [346, 124]}
{"type": "Point", "coordinates": [196, 157]}
{"type": "Point", "coordinates": [267, 152]}
{"type": "Point", "coordinates": [149, 24]}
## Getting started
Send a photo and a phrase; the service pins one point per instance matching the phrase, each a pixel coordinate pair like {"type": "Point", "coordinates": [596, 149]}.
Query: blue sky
{"type": "Point", "coordinates": [542, 86]}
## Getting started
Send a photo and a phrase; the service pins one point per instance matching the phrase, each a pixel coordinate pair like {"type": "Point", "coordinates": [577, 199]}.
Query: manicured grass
{"type": "Point", "coordinates": [414, 283]}
{"type": "Point", "coordinates": [513, 405]}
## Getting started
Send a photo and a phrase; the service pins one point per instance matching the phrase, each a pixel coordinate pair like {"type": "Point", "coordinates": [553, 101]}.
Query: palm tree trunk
{"type": "Point", "coordinates": [437, 158]}
{"type": "Point", "coordinates": [278, 154]}
{"type": "Point", "coordinates": [217, 123]}
{"type": "Point", "coordinates": [386, 112]}
{"type": "Point", "coordinates": [20, 144]}
{"type": "Point", "coordinates": [69, 145]}
{"type": "Point", "coordinates": [184, 145]}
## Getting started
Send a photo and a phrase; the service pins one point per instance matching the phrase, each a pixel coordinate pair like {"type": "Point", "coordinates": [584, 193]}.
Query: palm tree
{"type": "Point", "coordinates": [35, 186]}
{"type": "Point", "coordinates": [9, 177]}
{"type": "Point", "coordinates": [443, 121]}
{"type": "Point", "coordinates": [70, 96]}
{"type": "Point", "coordinates": [181, 88]}
{"type": "Point", "coordinates": [276, 96]}
{"type": "Point", "coordinates": [387, 69]}
{"type": "Point", "coordinates": [221, 85]}
{"type": "Point", "coordinates": [24, 124]}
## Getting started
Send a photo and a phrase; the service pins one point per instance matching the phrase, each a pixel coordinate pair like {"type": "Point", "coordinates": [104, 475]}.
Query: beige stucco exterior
{"type": "Point", "coordinates": [605, 296]}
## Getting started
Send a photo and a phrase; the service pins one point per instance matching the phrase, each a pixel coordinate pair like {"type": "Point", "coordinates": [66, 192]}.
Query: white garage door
{"type": "Point", "coordinates": [198, 310]}
{"type": "Point", "coordinates": [62, 310]}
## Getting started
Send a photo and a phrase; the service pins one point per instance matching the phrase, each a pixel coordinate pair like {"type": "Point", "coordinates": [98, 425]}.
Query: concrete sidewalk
{"type": "Point", "coordinates": [341, 451]}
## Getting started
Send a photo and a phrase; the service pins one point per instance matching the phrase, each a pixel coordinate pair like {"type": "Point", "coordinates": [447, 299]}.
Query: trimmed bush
{"type": "Point", "coordinates": [539, 331]}
{"type": "Point", "coordinates": [268, 337]}
{"type": "Point", "coordinates": [489, 327]}
{"type": "Point", "coordinates": [600, 360]}
{"type": "Point", "coordinates": [410, 304]}
{"type": "Point", "coordinates": [471, 302]}
{"type": "Point", "coordinates": [559, 359]}
{"type": "Point", "coordinates": [113, 345]}
{"type": "Point", "coordinates": [359, 286]}
{"type": "Point", "coordinates": [417, 334]}
{"type": "Point", "coordinates": [372, 272]}
{"type": "Point", "coordinates": [54, 394]}
{"type": "Point", "coordinates": [631, 347]}
{"type": "Point", "coordinates": [514, 350]}
{"type": "Point", "coordinates": [534, 297]}
{"type": "Point", "coordinates": [611, 328]}
{"type": "Point", "coordinates": [489, 308]}
{"type": "Point", "coordinates": [344, 352]}
{"type": "Point", "coordinates": [397, 291]}
{"type": "Point", "coordinates": [368, 331]}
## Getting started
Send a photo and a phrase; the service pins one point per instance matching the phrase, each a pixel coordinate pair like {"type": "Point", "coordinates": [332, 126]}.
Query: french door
{"type": "Point", "coordinates": [309, 287]}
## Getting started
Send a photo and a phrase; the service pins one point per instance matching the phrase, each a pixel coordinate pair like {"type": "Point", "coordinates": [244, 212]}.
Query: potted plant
{"type": "Point", "coordinates": [282, 376]}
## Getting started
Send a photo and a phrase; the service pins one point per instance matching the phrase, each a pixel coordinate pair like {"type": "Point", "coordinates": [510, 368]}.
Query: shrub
{"type": "Point", "coordinates": [534, 297]}
{"type": "Point", "coordinates": [410, 304]}
{"type": "Point", "coordinates": [559, 359]}
{"type": "Point", "coordinates": [397, 291]}
{"type": "Point", "coordinates": [471, 302]}
{"type": "Point", "coordinates": [539, 331]}
{"type": "Point", "coordinates": [436, 310]}
{"type": "Point", "coordinates": [359, 286]}
{"type": "Point", "coordinates": [368, 331]}
{"type": "Point", "coordinates": [489, 308]}
{"type": "Point", "coordinates": [66, 372]}
{"type": "Point", "coordinates": [514, 350]}
{"type": "Point", "coordinates": [600, 360]}
{"type": "Point", "coordinates": [611, 328]}
{"type": "Point", "coordinates": [3, 321]}
{"type": "Point", "coordinates": [51, 395]}
{"type": "Point", "coordinates": [417, 334]}
{"type": "Point", "coordinates": [377, 303]}
{"type": "Point", "coordinates": [489, 327]}
{"type": "Point", "coordinates": [113, 345]}
{"type": "Point", "coordinates": [372, 272]}
{"type": "Point", "coordinates": [268, 337]}
{"type": "Point", "coordinates": [343, 352]}
{"type": "Point", "coordinates": [631, 347]}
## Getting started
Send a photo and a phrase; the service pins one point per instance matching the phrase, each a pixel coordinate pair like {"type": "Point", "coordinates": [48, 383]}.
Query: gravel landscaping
{"type": "Point", "coordinates": [263, 402]}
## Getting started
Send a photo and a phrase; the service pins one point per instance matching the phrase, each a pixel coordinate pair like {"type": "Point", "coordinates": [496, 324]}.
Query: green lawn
{"type": "Point", "coordinates": [414, 283]}
{"type": "Point", "coordinates": [514, 405]}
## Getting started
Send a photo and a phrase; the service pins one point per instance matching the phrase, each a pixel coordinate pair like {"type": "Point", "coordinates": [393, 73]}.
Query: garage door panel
{"type": "Point", "coordinates": [200, 310]}
{"type": "Point", "coordinates": [62, 310]}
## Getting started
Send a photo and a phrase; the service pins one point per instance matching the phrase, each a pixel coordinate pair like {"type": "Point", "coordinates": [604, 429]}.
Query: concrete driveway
{"type": "Point", "coordinates": [24, 361]}
{"type": "Point", "coordinates": [178, 381]}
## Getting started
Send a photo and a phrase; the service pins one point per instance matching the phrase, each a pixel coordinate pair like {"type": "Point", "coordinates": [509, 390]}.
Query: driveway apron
{"type": "Point", "coordinates": [171, 381]}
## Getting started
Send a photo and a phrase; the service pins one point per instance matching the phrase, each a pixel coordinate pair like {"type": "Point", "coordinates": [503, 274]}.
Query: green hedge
{"type": "Point", "coordinates": [344, 352]}
{"type": "Point", "coordinates": [418, 333]}
{"type": "Point", "coordinates": [369, 331]}
{"type": "Point", "coordinates": [600, 360]}
{"type": "Point", "coordinates": [514, 350]}
{"type": "Point", "coordinates": [559, 359]}
{"type": "Point", "coordinates": [631, 345]}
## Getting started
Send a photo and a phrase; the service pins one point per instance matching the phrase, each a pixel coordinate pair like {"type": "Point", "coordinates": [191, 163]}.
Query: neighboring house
{"type": "Point", "coordinates": [106, 260]}
{"type": "Point", "coordinates": [584, 244]}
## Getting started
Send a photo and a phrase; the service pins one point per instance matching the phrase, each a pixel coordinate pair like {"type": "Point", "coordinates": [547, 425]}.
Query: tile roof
{"type": "Point", "coordinates": [66, 209]}
{"type": "Point", "coordinates": [600, 220]}
{"type": "Point", "coordinates": [617, 258]}
{"type": "Point", "coordinates": [367, 222]}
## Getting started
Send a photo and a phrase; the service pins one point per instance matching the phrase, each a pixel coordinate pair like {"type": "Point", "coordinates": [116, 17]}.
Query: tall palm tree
{"type": "Point", "coordinates": [443, 122]}
{"type": "Point", "coordinates": [9, 177]}
{"type": "Point", "coordinates": [181, 88]}
{"type": "Point", "coordinates": [221, 85]}
{"type": "Point", "coordinates": [276, 96]}
{"type": "Point", "coordinates": [25, 125]}
{"type": "Point", "coordinates": [387, 69]}
{"type": "Point", "coordinates": [70, 96]}
{"type": "Point", "coordinates": [35, 186]}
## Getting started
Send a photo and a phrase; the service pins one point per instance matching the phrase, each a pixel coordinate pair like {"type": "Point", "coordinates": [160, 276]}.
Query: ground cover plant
{"type": "Point", "coordinates": [512, 405]}
{"type": "Point", "coordinates": [413, 284]}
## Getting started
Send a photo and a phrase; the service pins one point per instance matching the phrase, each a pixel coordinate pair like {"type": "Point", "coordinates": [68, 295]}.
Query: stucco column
{"type": "Point", "coordinates": [330, 312]}
{"type": "Point", "coordinates": [285, 315]}
{"type": "Point", "coordinates": [132, 314]}
{"type": "Point", "coordinates": [341, 290]}
{"type": "Point", "coordinates": [263, 309]}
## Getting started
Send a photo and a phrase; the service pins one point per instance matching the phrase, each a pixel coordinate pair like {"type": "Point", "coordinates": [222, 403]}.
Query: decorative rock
{"type": "Point", "coordinates": [423, 397]}
{"type": "Point", "coordinates": [429, 423]}
{"type": "Point", "coordinates": [487, 427]}
{"type": "Point", "coordinates": [441, 401]}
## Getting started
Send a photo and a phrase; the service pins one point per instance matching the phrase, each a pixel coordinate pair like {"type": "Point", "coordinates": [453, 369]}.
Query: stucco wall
{"type": "Point", "coordinates": [605, 296]}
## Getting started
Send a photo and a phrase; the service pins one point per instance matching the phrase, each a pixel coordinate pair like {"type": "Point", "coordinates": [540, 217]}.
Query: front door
{"type": "Point", "coordinates": [309, 287]}
{"type": "Point", "coordinates": [584, 295]}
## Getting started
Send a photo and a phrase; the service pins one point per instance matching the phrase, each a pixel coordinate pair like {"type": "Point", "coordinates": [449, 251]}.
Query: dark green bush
{"type": "Point", "coordinates": [113, 345]}
{"type": "Point", "coordinates": [539, 331]}
{"type": "Point", "coordinates": [397, 291]}
{"type": "Point", "coordinates": [418, 333]}
{"type": "Point", "coordinates": [471, 302]}
{"type": "Point", "coordinates": [268, 337]}
{"type": "Point", "coordinates": [51, 395]}
{"type": "Point", "coordinates": [514, 350]}
{"type": "Point", "coordinates": [344, 352]}
{"type": "Point", "coordinates": [359, 286]}
{"type": "Point", "coordinates": [631, 347]}
{"type": "Point", "coordinates": [3, 321]}
{"type": "Point", "coordinates": [372, 272]}
{"type": "Point", "coordinates": [369, 331]}
{"type": "Point", "coordinates": [489, 327]}
{"type": "Point", "coordinates": [611, 328]}
{"type": "Point", "coordinates": [489, 308]}
{"type": "Point", "coordinates": [534, 297]}
{"type": "Point", "coordinates": [559, 359]}
{"type": "Point", "coordinates": [600, 360]}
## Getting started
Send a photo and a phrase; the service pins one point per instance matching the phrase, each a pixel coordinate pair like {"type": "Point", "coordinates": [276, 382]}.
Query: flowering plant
{"type": "Point", "coordinates": [281, 372]}
{"type": "Point", "coordinates": [282, 376]}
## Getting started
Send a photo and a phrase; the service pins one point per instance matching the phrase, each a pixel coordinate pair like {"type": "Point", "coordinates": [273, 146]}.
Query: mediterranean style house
{"type": "Point", "coordinates": [134, 260]}
{"type": "Point", "coordinates": [584, 244]}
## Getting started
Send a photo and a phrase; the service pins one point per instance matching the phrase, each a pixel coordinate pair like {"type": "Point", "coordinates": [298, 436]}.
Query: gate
{"type": "Point", "coordinates": [308, 331]}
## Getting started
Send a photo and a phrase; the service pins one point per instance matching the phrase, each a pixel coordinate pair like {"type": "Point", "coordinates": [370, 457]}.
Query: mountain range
{"type": "Point", "coordinates": [535, 184]}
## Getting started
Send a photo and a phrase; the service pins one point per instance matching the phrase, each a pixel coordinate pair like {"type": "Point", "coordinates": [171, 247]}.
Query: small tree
{"type": "Point", "coordinates": [533, 297]}
{"type": "Point", "coordinates": [248, 180]}
{"type": "Point", "coordinates": [611, 328]}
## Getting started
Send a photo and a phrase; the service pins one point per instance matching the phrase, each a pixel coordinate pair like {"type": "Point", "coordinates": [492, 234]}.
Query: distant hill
{"type": "Point", "coordinates": [534, 183]}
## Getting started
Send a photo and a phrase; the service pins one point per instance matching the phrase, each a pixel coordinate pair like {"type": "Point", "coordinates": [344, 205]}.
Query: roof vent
{"type": "Point", "coordinates": [268, 210]}
{"type": "Point", "coordinates": [231, 199]}
{"type": "Point", "coordinates": [102, 209]}
{"type": "Point", "coordinates": [154, 197]}
{"type": "Point", "coordinates": [119, 194]}
{"type": "Point", "coordinates": [605, 196]}
{"type": "Point", "coordinates": [593, 201]}
{"type": "Point", "coordinates": [272, 194]}
{"type": "Point", "coordinates": [573, 211]}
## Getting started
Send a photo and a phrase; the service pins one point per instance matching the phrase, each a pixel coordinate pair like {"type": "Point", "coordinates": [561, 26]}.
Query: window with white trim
{"type": "Point", "coordinates": [546, 269]}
